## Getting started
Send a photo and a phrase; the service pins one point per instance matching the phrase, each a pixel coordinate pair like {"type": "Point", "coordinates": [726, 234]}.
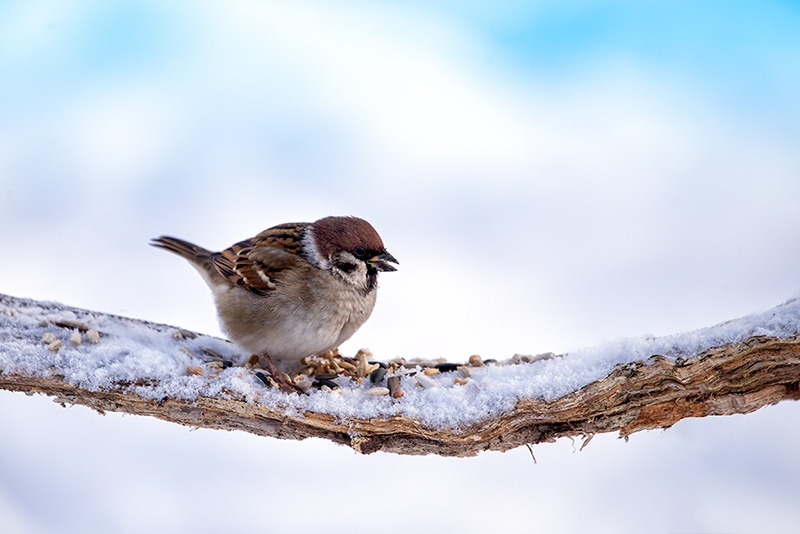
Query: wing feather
{"type": "Point", "coordinates": [256, 264]}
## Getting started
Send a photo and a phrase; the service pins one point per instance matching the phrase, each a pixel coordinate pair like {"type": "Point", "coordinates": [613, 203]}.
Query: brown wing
{"type": "Point", "coordinates": [256, 264]}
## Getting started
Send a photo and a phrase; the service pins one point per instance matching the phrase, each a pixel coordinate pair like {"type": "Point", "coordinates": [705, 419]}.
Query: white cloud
{"type": "Point", "coordinates": [119, 134]}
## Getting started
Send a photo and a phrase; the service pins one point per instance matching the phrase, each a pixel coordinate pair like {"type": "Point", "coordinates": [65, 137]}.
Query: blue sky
{"type": "Point", "coordinates": [743, 53]}
{"type": "Point", "coordinates": [742, 45]}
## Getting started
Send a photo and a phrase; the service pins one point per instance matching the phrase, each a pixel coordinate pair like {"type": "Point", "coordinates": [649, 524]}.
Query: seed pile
{"type": "Point", "coordinates": [332, 370]}
{"type": "Point", "coordinates": [327, 372]}
{"type": "Point", "coordinates": [75, 338]}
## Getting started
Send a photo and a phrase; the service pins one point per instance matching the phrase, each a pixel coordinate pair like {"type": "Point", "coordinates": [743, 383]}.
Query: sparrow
{"type": "Point", "coordinates": [294, 290]}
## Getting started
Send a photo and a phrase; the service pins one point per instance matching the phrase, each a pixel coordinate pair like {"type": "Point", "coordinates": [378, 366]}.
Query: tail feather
{"type": "Point", "coordinates": [190, 251]}
{"type": "Point", "coordinates": [198, 257]}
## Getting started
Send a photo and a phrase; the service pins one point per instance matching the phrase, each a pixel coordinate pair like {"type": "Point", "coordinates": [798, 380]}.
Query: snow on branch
{"type": "Point", "coordinates": [112, 363]}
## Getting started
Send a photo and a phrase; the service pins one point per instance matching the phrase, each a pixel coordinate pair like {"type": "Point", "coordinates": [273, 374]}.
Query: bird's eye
{"type": "Point", "coordinates": [359, 252]}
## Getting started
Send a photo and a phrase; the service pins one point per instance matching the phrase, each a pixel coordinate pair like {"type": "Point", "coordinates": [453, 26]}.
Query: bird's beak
{"type": "Point", "coordinates": [381, 262]}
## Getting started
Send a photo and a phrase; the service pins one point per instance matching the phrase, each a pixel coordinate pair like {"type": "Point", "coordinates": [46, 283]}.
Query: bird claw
{"type": "Point", "coordinates": [287, 386]}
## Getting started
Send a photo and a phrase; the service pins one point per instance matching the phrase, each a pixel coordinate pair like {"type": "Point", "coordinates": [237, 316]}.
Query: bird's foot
{"type": "Point", "coordinates": [280, 379]}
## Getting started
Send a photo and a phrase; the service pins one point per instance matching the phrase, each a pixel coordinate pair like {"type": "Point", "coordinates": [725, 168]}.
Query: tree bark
{"type": "Point", "coordinates": [737, 378]}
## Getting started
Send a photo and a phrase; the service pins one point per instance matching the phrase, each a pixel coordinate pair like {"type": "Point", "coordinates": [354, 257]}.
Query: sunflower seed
{"type": "Point", "coordinates": [195, 370]}
{"type": "Point", "coordinates": [303, 384]}
{"type": "Point", "coordinates": [325, 376]}
{"type": "Point", "coordinates": [361, 371]}
{"type": "Point", "coordinates": [425, 381]}
{"type": "Point", "coordinates": [75, 338]}
{"type": "Point", "coordinates": [326, 383]}
{"type": "Point", "coordinates": [377, 375]}
{"type": "Point", "coordinates": [363, 352]}
{"type": "Point", "coordinates": [93, 336]}
{"type": "Point", "coordinates": [347, 365]}
{"type": "Point", "coordinates": [393, 383]}
{"type": "Point", "coordinates": [264, 379]}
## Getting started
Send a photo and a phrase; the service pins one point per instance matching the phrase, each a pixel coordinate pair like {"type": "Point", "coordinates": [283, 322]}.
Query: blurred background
{"type": "Point", "coordinates": [551, 175]}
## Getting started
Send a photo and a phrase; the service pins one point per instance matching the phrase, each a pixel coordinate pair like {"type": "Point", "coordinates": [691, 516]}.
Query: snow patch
{"type": "Point", "coordinates": [151, 360]}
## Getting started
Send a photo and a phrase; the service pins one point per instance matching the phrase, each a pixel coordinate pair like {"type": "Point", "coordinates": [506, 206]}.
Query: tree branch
{"type": "Point", "coordinates": [736, 378]}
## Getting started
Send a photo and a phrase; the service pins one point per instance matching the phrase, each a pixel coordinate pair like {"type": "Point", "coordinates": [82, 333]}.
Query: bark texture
{"type": "Point", "coordinates": [732, 379]}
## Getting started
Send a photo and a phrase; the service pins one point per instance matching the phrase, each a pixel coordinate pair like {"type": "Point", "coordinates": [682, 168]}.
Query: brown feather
{"type": "Point", "coordinates": [345, 233]}
{"type": "Point", "coordinates": [255, 264]}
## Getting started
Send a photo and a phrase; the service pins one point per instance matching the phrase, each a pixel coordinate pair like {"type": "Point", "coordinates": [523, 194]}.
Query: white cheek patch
{"type": "Point", "coordinates": [310, 250]}
{"type": "Point", "coordinates": [357, 276]}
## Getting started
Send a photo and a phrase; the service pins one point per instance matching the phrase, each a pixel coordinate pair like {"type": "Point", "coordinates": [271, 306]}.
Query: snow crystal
{"type": "Point", "coordinates": [151, 360]}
